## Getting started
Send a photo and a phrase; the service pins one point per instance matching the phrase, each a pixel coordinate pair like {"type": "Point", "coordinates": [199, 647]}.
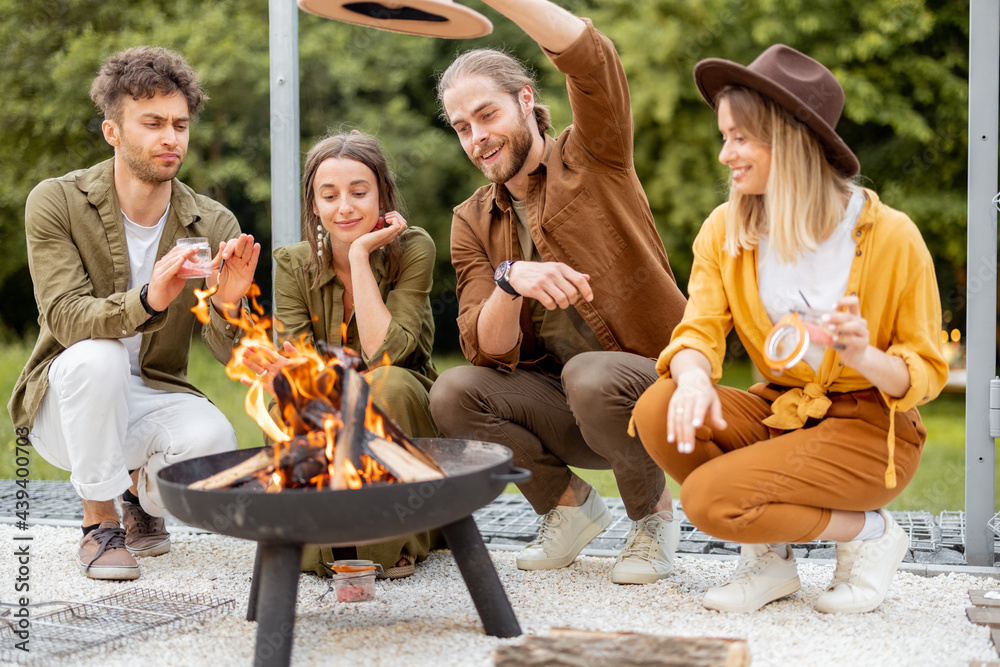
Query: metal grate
{"type": "Point", "coordinates": [952, 529]}
{"type": "Point", "coordinates": [925, 534]}
{"type": "Point", "coordinates": [49, 499]}
{"type": "Point", "coordinates": [55, 502]}
{"type": "Point", "coordinates": [103, 623]}
{"type": "Point", "coordinates": [510, 520]}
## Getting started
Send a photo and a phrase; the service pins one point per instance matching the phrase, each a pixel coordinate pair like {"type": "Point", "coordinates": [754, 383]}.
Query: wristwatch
{"type": "Point", "coordinates": [145, 304]}
{"type": "Point", "coordinates": [501, 275]}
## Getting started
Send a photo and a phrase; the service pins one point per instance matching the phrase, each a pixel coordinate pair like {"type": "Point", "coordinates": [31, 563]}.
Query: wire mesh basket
{"type": "Point", "coordinates": [105, 623]}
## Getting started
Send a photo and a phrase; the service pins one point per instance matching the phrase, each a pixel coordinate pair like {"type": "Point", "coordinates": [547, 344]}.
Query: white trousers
{"type": "Point", "coordinates": [98, 421]}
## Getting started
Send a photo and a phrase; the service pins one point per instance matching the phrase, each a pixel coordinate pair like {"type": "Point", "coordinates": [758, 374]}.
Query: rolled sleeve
{"type": "Point", "coordinates": [917, 324]}
{"type": "Point", "coordinates": [475, 285]}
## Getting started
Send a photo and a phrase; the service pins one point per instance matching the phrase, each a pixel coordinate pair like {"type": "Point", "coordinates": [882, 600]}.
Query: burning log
{"type": "Point", "coordinates": [400, 462]}
{"type": "Point", "coordinates": [351, 438]}
{"type": "Point", "coordinates": [338, 438]}
{"type": "Point", "coordinates": [298, 454]}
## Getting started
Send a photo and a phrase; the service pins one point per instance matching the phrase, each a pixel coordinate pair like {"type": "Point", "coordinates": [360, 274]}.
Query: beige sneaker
{"type": "Point", "coordinates": [565, 531]}
{"type": "Point", "coordinates": [864, 571]}
{"type": "Point", "coordinates": [648, 554]}
{"type": "Point", "coordinates": [103, 555]}
{"type": "Point", "coordinates": [762, 576]}
{"type": "Point", "coordinates": [145, 534]}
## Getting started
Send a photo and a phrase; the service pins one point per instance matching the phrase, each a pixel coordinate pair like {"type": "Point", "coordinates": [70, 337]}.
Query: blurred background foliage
{"type": "Point", "coordinates": [903, 65]}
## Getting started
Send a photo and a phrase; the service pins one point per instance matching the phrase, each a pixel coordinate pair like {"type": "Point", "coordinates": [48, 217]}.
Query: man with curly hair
{"type": "Point", "coordinates": [105, 393]}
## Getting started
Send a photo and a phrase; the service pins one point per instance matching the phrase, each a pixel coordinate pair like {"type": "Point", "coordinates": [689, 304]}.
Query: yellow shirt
{"type": "Point", "coordinates": [893, 276]}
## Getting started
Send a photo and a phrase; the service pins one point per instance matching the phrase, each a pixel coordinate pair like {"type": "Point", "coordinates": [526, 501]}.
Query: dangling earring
{"type": "Point", "coordinates": [319, 241]}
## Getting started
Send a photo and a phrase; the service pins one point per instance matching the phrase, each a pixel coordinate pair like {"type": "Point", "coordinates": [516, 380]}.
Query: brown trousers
{"type": "Point", "coordinates": [752, 484]}
{"type": "Point", "coordinates": [580, 420]}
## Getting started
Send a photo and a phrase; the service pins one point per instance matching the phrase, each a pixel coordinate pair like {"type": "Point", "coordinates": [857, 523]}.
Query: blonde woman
{"type": "Point", "coordinates": [818, 450]}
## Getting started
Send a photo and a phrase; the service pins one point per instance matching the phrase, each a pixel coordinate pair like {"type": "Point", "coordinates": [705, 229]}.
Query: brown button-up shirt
{"type": "Point", "coordinates": [587, 209]}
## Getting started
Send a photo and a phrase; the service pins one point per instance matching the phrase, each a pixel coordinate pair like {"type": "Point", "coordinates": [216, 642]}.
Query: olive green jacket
{"type": "Point", "coordinates": [318, 313]}
{"type": "Point", "coordinates": [78, 258]}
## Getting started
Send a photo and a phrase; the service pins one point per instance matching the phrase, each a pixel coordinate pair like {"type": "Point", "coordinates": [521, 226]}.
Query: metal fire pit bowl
{"type": "Point", "coordinates": [282, 523]}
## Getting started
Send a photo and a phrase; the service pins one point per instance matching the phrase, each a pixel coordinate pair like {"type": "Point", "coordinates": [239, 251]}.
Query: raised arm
{"type": "Point", "coordinates": [550, 25]}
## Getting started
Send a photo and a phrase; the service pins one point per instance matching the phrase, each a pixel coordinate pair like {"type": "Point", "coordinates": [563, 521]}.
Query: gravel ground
{"type": "Point", "coordinates": [429, 619]}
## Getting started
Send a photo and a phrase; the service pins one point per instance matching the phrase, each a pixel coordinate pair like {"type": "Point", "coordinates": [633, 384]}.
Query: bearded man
{"type": "Point", "coordinates": [565, 292]}
{"type": "Point", "coordinates": [105, 393]}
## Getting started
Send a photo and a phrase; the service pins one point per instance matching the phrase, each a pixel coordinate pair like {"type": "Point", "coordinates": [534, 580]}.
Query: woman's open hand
{"type": "Point", "coordinates": [694, 397]}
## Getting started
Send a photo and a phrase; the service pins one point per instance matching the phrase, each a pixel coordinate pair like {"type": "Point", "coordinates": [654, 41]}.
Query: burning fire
{"type": "Point", "coordinates": [309, 379]}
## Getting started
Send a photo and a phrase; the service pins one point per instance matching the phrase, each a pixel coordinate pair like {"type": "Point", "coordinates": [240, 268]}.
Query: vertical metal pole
{"type": "Point", "coordinates": [981, 308]}
{"type": "Point", "coordinates": [284, 51]}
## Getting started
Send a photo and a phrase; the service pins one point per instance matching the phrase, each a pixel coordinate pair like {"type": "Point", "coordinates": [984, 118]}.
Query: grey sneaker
{"type": "Point", "coordinates": [648, 555]}
{"type": "Point", "coordinates": [564, 532]}
{"type": "Point", "coordinates": [103, 555]}
{"type": "Point", "coordinates": [145, 535]}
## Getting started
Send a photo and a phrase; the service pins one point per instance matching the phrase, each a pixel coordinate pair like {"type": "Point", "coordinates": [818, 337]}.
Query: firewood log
{"type": "Point", "coordinates": [565, 647]}
{"type": "Point", "coordinates": [297, 452]}
{"type": "Point", "coordinates": [400, 462]}
{"type": "Point", "coordinates": [350, 439]}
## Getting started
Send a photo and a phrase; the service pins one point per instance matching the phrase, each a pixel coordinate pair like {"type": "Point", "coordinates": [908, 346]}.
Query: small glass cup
{"type": "Point", "coordinates": [788, 341]}
{"type": "Point", "coordinates": [199, 266]}
{"type": "Point", "coordinates": [354, 580]}
{"type": "Point", "coordinates": [355, 586]}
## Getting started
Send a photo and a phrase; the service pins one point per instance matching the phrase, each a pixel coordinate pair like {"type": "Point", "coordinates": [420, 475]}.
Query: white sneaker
{"type": "Point", "coordinates": [565, 531]}
{"type": "Point", "coordinates": [648, 554]}
{"type": "Point", "coordinates": [864, 571]}
{"type": "Point", "coordinates": [762, 576]}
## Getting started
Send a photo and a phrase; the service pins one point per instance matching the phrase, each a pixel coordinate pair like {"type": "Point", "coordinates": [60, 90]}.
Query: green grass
{"type": "Point", "coordinates": [938, 484]}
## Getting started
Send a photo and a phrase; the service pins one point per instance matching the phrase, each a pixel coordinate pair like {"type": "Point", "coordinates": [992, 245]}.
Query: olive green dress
{"type": "Point", "coordinates": [401, 389]}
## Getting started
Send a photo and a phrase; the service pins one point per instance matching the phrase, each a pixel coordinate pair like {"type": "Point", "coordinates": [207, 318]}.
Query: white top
{"type": "Point", "coordinates": [820, 277]}
{"type": "Point", "coordinates": [142, 245]}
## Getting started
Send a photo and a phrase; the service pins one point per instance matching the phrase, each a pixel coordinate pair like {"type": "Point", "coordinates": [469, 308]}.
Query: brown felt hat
{"type": "Point", "coordinates": [432, 18]}
{"type": "Point", "coordinates": [803, 86]}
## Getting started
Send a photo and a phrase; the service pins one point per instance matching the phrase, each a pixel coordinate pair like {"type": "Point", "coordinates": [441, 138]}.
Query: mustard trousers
{"type": "Point", "coordinates": [753, 484]}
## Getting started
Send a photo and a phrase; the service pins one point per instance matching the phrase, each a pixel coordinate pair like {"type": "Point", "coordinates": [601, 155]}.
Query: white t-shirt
{"type": "Point", "coordinates": [820, 277]}
{"type": "Point", "coordinates": [142, 245]}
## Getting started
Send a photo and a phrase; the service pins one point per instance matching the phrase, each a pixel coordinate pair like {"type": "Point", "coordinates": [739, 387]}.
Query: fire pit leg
{"type": "Point", "coordinates": [481, 578]}
{"type": "Point", "coordinates": [254, 585]}
{"type": "Point", "coordinates": [278, 590]}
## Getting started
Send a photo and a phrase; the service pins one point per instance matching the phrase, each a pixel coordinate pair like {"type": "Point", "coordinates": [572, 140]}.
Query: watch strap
{"type": "Point", "coordinates": [145, 304]}
{"type": "Point", "coordinates": [501, 278]}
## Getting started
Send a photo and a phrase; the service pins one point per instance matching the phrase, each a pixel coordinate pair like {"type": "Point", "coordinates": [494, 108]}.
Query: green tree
{"type": "Point", "coordinates": [903, 64]}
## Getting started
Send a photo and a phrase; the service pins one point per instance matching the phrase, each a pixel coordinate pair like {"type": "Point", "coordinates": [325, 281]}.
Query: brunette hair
{"type": "Point", "coordinates": [361, 148]}
{"type": "Point", "coordinates": [804, 199]}
{"type": "Point", "coordinates": [503, 69]}
{"type": "Point", "coordinates": [140, 73]}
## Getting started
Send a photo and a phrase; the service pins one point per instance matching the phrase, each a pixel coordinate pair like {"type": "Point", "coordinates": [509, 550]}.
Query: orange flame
{"type": "Point", "coordinates": [308, 375]}
{"type": "Point", "coordinates": [255, 334]}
